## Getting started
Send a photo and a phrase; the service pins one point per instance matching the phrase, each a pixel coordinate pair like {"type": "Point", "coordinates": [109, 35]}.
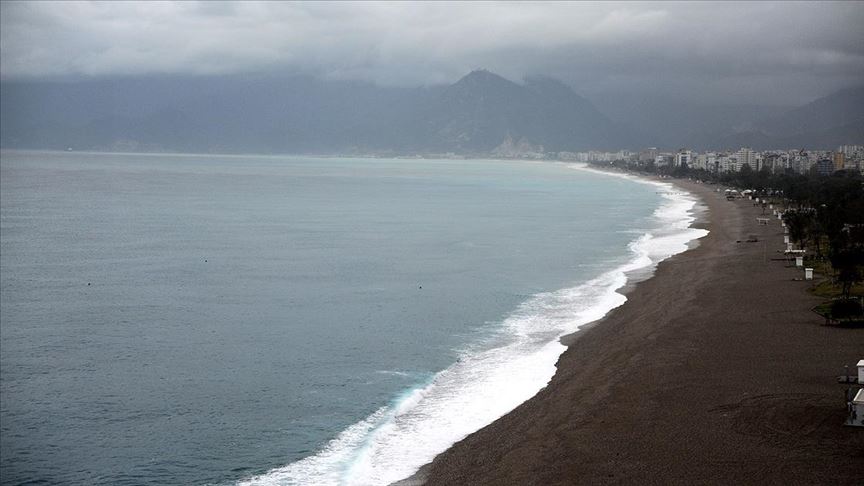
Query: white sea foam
{"type": "Point", "coordinates": [485, 384]}
{"type": "Point", "coordinates": [393, 373]}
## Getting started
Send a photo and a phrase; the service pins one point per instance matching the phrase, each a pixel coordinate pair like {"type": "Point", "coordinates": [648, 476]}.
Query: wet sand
{"type": "Point", "coordinates": [714, 372]}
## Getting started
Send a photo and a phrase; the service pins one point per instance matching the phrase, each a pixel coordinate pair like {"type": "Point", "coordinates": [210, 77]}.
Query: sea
{"type": "Point", "coordinates": [291, 320]}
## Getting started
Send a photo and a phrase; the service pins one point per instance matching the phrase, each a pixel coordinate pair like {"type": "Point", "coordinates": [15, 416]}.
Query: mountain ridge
{"type": "Point", "coordinates": [301, 114]}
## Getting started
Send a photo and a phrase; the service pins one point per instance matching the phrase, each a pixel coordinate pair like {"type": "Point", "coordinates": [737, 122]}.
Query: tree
{"type": "Point", "coordinates": [847, 257]}
{"type": "Point", "coordinates": [799, 222]}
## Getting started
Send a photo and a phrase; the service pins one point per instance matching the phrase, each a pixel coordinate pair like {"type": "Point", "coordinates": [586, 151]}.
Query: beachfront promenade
{"type": "Point", "coordinates": [714, 372]}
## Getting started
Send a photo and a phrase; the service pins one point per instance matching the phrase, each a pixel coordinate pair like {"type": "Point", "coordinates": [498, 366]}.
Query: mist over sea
{"type": "Point", "coordinates": [175, 319]}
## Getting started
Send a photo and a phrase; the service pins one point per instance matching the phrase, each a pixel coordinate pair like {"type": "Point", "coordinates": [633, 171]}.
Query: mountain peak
{"type": "Point", "coordinates": [482, 77]}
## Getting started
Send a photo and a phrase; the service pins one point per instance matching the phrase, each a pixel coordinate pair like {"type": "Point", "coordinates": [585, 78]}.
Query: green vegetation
{"type": "Point", "coordinates": [825, 216]}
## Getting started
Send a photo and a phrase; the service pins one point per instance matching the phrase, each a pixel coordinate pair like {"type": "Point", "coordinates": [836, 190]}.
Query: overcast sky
{"type": "Point", "coordinates": [780, 53]}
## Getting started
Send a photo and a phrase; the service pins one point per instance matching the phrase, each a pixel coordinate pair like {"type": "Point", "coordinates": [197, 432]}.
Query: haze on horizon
{"type": "Point", "coordinates": [724, 53]}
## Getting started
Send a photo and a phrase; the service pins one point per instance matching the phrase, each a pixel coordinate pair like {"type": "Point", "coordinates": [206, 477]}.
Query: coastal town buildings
{"type": "Point", "coordinates": [801, 161]}
{"type": "Point", "coordinates": [851, 150]}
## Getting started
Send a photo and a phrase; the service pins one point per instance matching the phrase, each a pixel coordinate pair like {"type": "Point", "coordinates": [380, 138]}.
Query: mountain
{"type": "Point", "coordinates": [209, 114]}
{"type": "Point", "coordinates": [302, 114]}
{"type": "Point", "coordinates": [842, 108]}
{"type": "Point", "coordinates": [826, 139]}
{"type": "Point", "coordinates": [482, 110]}
{"type": "Point", "coordinates": [825, 123]}
{"type": "Point", "coordinates": [673, 122]}
{"type": "Point", "coordinates": [836, 119]}
{"type": "Point", "coordinates": [482, 113]}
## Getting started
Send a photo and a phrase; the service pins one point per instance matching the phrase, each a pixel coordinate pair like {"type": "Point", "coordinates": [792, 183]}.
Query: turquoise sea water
{"type": "Point", "coordinates": [171, 319]}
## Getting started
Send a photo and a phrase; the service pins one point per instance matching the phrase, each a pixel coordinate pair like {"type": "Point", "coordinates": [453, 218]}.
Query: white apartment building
{"type": "Point", "coordinates": [684, 157]}
{"type": "Point", "coordinates": [664, 159]}
{"type": "Point", "coordinates": [746, 156]}
{"type": "Point", "coordinates": [850, 150]}
{"type": "Point", "coordinates": [728, 163]}
{"type": "Point", "coordinates": [707, 161]}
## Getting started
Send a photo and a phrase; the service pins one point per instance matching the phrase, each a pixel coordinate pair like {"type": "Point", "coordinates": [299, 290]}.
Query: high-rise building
{"type": "Point", "coordinates": [746, 156]}
{"type": "Point", "coordinates": [839, 161]}
{"type": "Point", "coordinates": [648, 155]}
{"type": "Point", "coordinates": [707, 161]}
{"type": "Point", "coordinates": [772, 162]}
{"type": "Point", "coordinates": [850, 150]}
{"type": "Point", "coordinates": [664, 159]}
{"type": "Point", "coordinates": [728, 163]}
{"type": "Point", "coordinates": [824, 166]}
{"type": "Point", "coordinates": [683, 157]}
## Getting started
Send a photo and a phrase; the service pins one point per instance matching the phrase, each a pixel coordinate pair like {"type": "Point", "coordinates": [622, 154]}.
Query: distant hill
{"type": "Point", "coordinates": [200, 114]}
{"type": "Point", "coordinates": [221, 114]}
{"type": "Point", "coordinates": [842, 108]}
{"type": "Point", "coordinates": [836, 119]}
{"type": "Point", "coordinates": [674, 123]}
{"type": "Point", "coordinates": [302, 114]}
{"type": "Point", "coordinates": [482, 113]}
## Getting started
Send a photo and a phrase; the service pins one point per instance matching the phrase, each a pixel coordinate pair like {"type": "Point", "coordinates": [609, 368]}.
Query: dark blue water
{"type": "Point", "coordinates": [200, 319]}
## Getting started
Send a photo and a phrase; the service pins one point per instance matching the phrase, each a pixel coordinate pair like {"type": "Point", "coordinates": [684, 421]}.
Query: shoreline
{"type": "Point", "coordinates": [635, 278]}
{"type": "Point", "coordinates": [666, 231]}
{"type": "Point", "coordinates": [715, 357]}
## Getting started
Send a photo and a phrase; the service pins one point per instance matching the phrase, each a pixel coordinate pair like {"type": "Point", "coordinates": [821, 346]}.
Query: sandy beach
{"type": "Point", "coordinates": [714, 372]}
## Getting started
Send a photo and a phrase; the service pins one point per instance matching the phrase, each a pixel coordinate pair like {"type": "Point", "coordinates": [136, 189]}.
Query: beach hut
{"type": "Point", "coordinates": [799, 261]}
{"type": "Point", "coordinates": [808, 274]}
{"type": "Point", "coordinates": [861, 372]}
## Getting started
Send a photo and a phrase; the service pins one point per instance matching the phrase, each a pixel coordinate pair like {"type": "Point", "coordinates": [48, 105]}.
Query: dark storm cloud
{"type": "Point", "coordinates": [771, 52]}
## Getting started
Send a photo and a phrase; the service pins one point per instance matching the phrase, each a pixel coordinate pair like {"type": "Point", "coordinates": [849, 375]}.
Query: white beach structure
{"type": "Point", "coordinates": [861, 372]}
{"type": "Point", "coordinates": [799, 261]}
{"type": "Point", "coordinates": [808, 274]}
